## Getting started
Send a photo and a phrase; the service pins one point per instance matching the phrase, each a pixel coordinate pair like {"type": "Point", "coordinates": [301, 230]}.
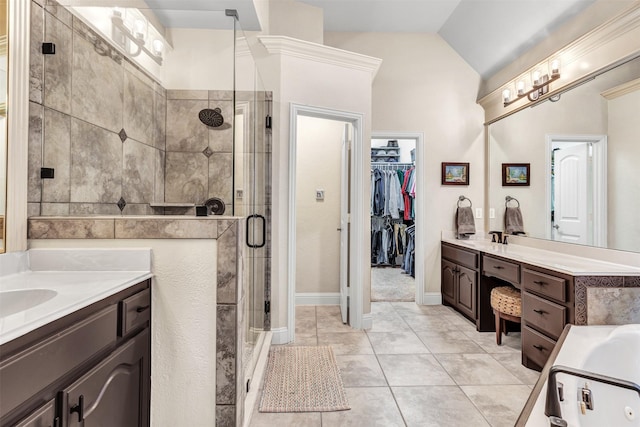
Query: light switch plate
{"type": "Point", "coordinates": [319, 194]}
{"type": "Point", "coordinates": [492, 213]}
{"type": "Point", "coordinates": [239, 193]}
{"type": "Point", "coordinates": [478, 213]}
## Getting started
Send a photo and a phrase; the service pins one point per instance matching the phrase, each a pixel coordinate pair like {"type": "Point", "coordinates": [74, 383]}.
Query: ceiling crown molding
{"type": "Point", "coordinates": [283, 45]}
{"type": "Point", "coordinates": [621, 90]}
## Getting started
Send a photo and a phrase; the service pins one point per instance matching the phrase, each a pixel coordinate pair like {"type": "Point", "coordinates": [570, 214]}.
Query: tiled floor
{"type": "Point", "coordinates": [392, 284]}
{"type": "Point", "coordinates": [417, 366]}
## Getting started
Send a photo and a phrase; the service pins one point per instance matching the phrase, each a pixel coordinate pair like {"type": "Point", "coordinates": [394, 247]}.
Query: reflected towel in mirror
{"type": "Point", "coordinates": [465, 224]}
{"type": "Point", "coordinates": [513, 221]}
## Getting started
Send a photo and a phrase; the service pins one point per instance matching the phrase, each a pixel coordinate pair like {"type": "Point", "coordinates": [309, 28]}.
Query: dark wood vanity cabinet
{"type": "Point", "coordinates": [460, 279]}
{"type": "Point", "coordinates": [91, 367]}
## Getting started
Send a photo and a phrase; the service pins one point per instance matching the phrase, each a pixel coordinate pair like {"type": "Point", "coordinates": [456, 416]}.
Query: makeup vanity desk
{"type": "Point", "coordinates": [557, 289]}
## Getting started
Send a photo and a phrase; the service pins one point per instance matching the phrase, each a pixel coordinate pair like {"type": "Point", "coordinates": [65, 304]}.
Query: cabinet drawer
{"type": "Point", "coordinates": [460, 256]}
{"type": "Point", "coordinates": [501, 269]}
{"type": "Point", "coordinates": [546, 316]}
{"type": "Point", "coordinates": [54, 357]}
{"type": "Point", "coordinates": [535, 346]}
{"type": "Point", "coordinates": [544, 284]}
{"type": "Point", "coordinates": [134, 311]}
{"type": "Point", "coordinates": [41, 417]}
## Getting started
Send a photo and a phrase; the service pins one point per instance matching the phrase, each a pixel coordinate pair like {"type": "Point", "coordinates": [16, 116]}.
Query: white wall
{"type": "Point", "coordinates": [183, 340]}
{"type": "Point", "coordinates": [423, 85]}
{"type": "Point", "coordinates": [624, 149]}
{"type": "Point", "coordinates": [318, 152]}
{"type": "Point", "coordinates": [295, 19]}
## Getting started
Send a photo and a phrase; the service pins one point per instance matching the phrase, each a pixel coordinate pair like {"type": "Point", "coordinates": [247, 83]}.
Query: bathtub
{"type": "Point", "coordinates": [613, 351]}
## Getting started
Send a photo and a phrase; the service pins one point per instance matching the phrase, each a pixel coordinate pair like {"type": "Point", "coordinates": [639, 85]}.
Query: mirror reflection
{"type": "Point", "coordinates": [583, 152]}
{"type": "Point", "coordinates": [3, 120]}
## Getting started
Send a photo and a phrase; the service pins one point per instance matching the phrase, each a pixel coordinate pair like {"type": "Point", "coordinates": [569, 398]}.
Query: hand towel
{"type": "Point", "coordinates": [465, 223]}
{"type": "Point", "coordinates": [513, 221]}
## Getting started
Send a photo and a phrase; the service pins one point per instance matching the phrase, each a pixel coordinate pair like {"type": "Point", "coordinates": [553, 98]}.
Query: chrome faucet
{"type": "Point", "coordinates": [555, 395]}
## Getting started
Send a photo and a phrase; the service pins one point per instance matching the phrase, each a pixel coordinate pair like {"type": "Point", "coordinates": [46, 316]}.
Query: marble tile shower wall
{"type": "Point", "coordinates": [95, 118]}
{"type": "Point", "coordinates": [199, 163]}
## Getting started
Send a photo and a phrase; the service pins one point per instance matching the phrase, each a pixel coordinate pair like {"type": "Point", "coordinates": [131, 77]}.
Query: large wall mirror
{"type": "Point", "coordinates": [3, 119]}
{"type": "Point", "coordinates": [584, 156]}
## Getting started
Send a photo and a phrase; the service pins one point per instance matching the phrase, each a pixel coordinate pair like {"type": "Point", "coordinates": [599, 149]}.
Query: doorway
{"type": "Point", "coordinates": [345, 234]}
{"type": "Point", "coordinates": [576, 189]}
{"type": "Point", "coordinates": [395, 229]}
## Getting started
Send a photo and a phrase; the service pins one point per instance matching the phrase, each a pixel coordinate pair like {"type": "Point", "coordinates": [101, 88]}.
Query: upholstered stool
{"type": "Point", "coordinates": [507, 305]}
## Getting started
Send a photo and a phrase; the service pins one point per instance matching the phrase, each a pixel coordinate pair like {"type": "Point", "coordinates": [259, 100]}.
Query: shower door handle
{"type": "Point", "coordinates": [264, 231]}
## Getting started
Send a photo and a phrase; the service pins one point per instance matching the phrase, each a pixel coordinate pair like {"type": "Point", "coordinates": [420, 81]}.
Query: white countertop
{"type": "Point", "coordinates": [71, 279]}
{"type": "Point", "coordinates": [558, 261]}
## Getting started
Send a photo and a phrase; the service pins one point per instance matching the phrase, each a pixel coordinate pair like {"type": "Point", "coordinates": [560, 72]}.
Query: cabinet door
{"type": "Point", "coordinates": [44, 416]}
{"type": "Point", "coordinates": [115, 392]}
{"type": "Point", "coordinates": [448, 282]}
{"type": "Point", "coordinates": [466, 295]}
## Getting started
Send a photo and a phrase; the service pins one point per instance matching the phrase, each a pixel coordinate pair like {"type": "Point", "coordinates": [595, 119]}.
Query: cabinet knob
{"type": "Point", "coordinates": [538, 347]}
{"type": "Point", "coordinates": [539, 311]}
{"type": "Point", "coordinates": [79, 408]}
{"type": "Point", "coordinates": [142, 308]}
{"type": "Point", "coordinates": [498, 267]}
{"type": "Point", "coordinates": [539, 282]}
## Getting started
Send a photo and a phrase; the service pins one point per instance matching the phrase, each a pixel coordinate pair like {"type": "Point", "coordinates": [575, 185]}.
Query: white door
{"type": "Point", "coordinates": [344, 225]}
{"type": "Point", "coordinates": [570, 222]}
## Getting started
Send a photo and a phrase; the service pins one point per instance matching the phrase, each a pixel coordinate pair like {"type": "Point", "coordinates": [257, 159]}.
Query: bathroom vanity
{"type": "Point", "coordinates": [554, 288]}
{"type": "Point", "coordinates": [75, 344]}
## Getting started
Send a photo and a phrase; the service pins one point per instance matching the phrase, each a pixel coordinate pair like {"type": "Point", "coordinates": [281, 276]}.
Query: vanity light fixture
{"type": "Point", "coordinates": [131, 34]}
{"type": "Point", "coordinates": [539, 85]}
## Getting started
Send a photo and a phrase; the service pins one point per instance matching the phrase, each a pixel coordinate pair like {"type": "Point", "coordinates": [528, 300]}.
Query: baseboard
{"type": "Point", "coordinates": [280, 335]}
{"type": "Point", "coordinates": [367, 321]}
{"type": "Point", "coordinates": [432, 298]}
{"type": "Point", "coordinates": [316, 298]}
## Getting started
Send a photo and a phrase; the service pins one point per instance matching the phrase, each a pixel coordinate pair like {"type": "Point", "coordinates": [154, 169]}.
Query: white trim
{"type": "Point", "coordinates": [620, 90]}
{"type": "Point", "coordinates": [315, 52]}
{"type": "Point", "coordinates": [356, 249]}
{"type": "Point", "coordinates": [18, 126]}
{"type": "Point", "coordinates": [421, 211]}
{"type": "Point", "coordinates": [367, 321]}
{"type": "Point", "coordinates": [432, 298]}
{"type": "Point", "coordinates": [599, 183]}
{"type": "Point", "coordinates": [280, 336]}
{"type": "Point", "coordinates": [318, 298]}
{"type": "Point", "coordinates": [256, 379]}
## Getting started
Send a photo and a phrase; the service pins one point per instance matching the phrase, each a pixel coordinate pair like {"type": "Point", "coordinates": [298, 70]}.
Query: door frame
{"type": "Point", "coordinates": [356, 249]}
{"type": "Point", "coordinates": [420, 203]}
{"type": "Point", "coordinates": [599, 169]}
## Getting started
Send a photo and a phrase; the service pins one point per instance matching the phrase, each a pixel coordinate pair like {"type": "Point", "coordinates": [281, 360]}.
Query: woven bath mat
{"type": "Point", "coordinates": [303, 379]}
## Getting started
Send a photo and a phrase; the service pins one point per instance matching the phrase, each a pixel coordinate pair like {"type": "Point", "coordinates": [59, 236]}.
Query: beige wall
{"type": "Point", "coordinates": [624, 153]}
{"type": "Point", "coordinates": [424, 86]}
{"type": "Point", "coordinates": [318, 156]}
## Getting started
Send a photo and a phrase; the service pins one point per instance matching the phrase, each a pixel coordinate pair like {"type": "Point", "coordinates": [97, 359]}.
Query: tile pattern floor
{"type": "Point", "coordinates": [417, 366]}
{"type": "Point", "coordinates": [391, 284]}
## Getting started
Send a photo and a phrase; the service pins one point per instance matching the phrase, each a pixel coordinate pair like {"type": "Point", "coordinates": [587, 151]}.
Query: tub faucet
{"type": "Point", "coordinates": [494, 234]}
{"type": "Point", "coordinates": [552, 404]}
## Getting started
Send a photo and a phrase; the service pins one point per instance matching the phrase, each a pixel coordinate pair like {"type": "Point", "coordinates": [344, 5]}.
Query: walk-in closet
{"type": "Point", "coordinates": [393, 197]}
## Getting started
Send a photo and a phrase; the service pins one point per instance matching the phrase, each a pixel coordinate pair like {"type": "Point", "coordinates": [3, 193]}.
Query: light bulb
{"type": "Point", "coordinates": [139, 29]}
{"type": "Point", "coordinates": [555, 67]}
{"type": "Point", "coordinates": [520, 87]}
{"type": "Point", "coordinates": [536, 77]}
{"type": "Point", "coordinates": [118, 12]}
{"type": "Point", "coordinates": [158, 47]}
{"type": "Point", "coordinates": [506, 95]}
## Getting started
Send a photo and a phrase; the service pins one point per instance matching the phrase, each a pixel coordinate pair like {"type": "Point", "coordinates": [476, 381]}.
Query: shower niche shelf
{"type": "Point", "coordinates": [172, 205]}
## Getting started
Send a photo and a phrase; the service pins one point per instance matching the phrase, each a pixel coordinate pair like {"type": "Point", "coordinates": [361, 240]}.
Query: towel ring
{"type": "Point", "coordinates": [509, 199]}
{"type": "Point", "coordinates": [462, 199]}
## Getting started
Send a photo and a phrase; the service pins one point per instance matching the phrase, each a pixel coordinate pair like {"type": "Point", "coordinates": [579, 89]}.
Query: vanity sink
{"type": "Point", "coordinates": [12, 302]}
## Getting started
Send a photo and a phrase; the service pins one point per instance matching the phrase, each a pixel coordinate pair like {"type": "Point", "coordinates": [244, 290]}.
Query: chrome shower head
{"type": "Point", "coordinates": [211, 117]}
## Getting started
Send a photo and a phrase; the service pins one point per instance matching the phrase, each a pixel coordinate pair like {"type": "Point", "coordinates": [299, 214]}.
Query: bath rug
{"type": "Point", "coordinates": [303, 379]}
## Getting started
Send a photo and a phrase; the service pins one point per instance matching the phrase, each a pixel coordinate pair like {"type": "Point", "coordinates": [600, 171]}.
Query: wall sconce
{"type": "Point", "coordinates": [539, 85]}
{"type": "Point", "coordinates": [131, 34]}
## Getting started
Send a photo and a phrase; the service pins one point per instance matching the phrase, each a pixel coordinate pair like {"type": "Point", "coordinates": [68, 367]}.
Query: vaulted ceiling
{"type": "Point", "coordinates": [488, 34]}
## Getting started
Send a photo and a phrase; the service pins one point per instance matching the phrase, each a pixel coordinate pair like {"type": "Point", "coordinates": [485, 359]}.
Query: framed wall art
{"type": "Point", "coordinates": [514, 174]}
{"type": "Point", "coordinates": [455, 173]}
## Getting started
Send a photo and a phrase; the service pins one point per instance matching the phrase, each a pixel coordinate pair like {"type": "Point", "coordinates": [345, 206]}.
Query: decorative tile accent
{"type": "Point", "coordinates": [96, 164]}
{"type": "Point", "coordinates": [121, 204]}
{"type": "Point", "coordinates": [123, 135]}
{"type": "Point", "coordinates": [207, 152]}
{"type": "Point", "coordinates": [632, 281]}
{"type": "Point", "coordinates": [72, 228]}
{"type": "Point", "coordinates": [226, 330]}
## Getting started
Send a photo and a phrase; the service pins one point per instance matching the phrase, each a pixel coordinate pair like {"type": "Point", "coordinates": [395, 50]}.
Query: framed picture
{"type": "Point", "coordinates": [455, 173]}
{"type": "Point", "coordinates": [516, 174]}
